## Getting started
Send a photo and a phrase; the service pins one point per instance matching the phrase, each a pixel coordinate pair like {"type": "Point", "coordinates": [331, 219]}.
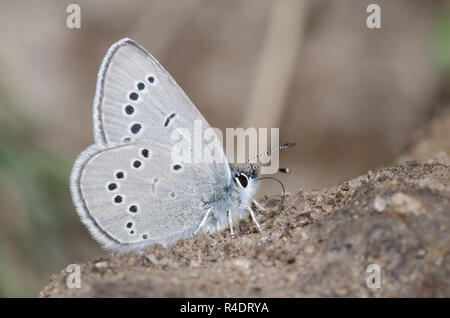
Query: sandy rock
{"type": "Point", "coordinates": [322, 243]}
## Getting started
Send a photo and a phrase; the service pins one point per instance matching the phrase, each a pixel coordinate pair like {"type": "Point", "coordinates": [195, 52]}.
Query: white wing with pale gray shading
{"type": "Point", "coordinates": [132, 195]}
{"type": "Point", "coordinates": [137, 99]}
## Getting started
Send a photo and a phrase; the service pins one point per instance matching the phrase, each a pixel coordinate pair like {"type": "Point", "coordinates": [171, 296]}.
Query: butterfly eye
{"type": "Point", "coordinates": [242, 180]}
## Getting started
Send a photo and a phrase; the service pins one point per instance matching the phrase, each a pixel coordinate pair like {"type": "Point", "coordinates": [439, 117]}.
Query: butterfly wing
{"type": "Point", "coordinates": [137, 103]}
{"type": "Point", "coordinates": [132, 195]}
{"type": "Point", "coordinates": [137, 99]}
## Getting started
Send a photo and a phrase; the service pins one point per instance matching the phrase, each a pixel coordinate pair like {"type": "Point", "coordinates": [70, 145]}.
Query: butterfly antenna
{"type": "Point", "coordinates": [282, 187]}
{"type": "Point", "coordinates": [268, 152]}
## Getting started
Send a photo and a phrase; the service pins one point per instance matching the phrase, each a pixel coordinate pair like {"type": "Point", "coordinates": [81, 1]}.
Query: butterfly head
{"type": "Point", "coordinates": [246, 178]}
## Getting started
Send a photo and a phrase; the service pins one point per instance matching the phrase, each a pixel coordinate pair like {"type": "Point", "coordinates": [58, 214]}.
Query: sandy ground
{"type": "Point", "coordinates": [321, 243]}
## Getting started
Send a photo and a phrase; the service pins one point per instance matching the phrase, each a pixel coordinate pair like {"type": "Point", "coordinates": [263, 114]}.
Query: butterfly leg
{"type": "Point", "coordinates": [252, 214]}
{"type": "Point", "coordinates": [255, 202]}
{"type": "Point", "coordinates": [230, 221]}
{"type": "Point", "coordinates": [258, 205]}
{"type": "Point", "coordinates": [202, 223]}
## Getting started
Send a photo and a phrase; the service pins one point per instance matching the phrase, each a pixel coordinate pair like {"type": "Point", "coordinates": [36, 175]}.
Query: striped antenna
{"type": "Point", "coordinates": [268, 152]}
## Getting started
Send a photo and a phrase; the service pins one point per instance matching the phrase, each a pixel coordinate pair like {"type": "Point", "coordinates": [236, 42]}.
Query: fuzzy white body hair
{"type": "Point", "coordinates": [236, 200]}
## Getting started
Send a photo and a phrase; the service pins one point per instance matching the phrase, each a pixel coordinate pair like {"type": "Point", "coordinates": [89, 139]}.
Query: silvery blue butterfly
{"type": "Point", "coordinates": [126, 187]}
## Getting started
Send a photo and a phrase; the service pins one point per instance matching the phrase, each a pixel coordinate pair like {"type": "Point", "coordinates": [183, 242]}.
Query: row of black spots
{"type": "Point", "coordinates": [168, 119]}
{"type": "Point", "coordinates": [140, 86]}
{"type": "Point", "coordinates": [138, 163]}
{"type": "Point", "coordinates": [129, 109]}
{"type": "Point", "coordinates": [135, 128]}
{"type": "Point", "coordinates": [129, 226]}
{"type": "Point", "coordinates": [132, 209]}
{"type": "Point", "coordinates": [113, 186]}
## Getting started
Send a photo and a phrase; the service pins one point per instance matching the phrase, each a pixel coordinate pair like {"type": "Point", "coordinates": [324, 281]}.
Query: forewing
{"type": "Point", "coordinates": [137, 99]}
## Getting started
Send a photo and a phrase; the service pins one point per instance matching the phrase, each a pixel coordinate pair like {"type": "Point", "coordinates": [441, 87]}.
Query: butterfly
{"type": "Point", "coordinates": [126, 187]}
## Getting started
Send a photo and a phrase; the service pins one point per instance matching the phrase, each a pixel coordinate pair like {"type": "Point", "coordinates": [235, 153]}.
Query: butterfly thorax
{"type": "Point", "coordinates": [234, 197]}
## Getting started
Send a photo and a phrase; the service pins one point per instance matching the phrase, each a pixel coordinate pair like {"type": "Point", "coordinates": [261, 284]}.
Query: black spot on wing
{"type": "Point", "coordinates": [118, 199]}
{"type": "Point", "coordinates": [137, 164]}
{"type": "Point", "coordinates": [120, 175]}
{"type": "Point", "coordinates": [169, 118]}
{"type": "Point", "coordinates": [140, 86]}
{"type": "Point", "coordinates": [134, 96]}
{"type": "Point", "coordinates": [136, 128]}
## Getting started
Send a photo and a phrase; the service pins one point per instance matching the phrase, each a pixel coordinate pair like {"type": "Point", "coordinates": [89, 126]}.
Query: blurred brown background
{"type": "Point", "coordinates": [351, 97]}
